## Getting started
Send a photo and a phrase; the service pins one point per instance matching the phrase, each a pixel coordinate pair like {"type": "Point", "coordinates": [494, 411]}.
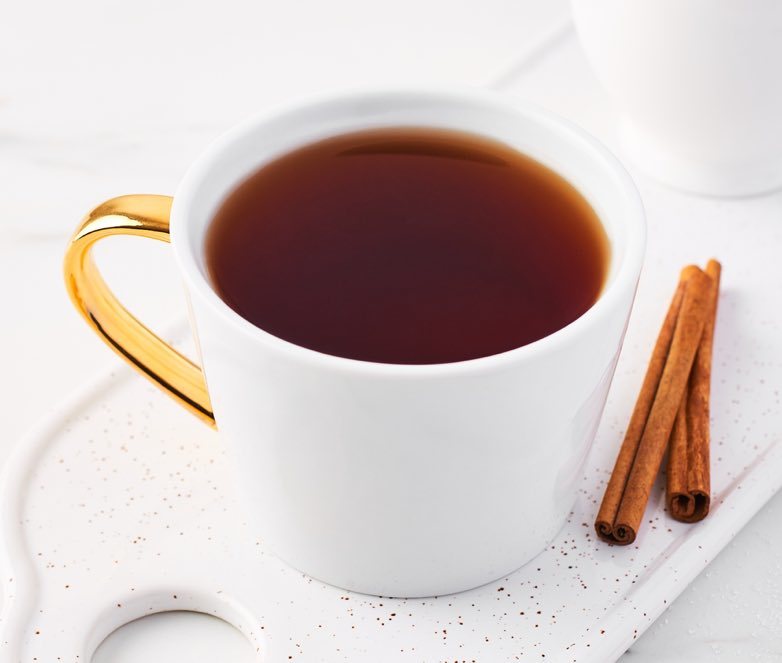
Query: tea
{"type": "Point", "coordinates": [407, 246]}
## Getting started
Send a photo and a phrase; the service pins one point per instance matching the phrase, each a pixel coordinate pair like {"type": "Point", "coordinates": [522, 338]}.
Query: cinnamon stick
{"type": "Point", "coordinates": [688, 489]}
{"type": "Point", "coordinates": [604, 523]}
{"type": "Point", "coordinates": [656, 409]}
{"type": "Point", "coordinates": [676, 486]}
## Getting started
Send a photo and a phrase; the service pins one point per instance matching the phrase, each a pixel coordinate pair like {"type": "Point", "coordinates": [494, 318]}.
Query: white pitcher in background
{"type": "Point", "coordinates": [698, 84]}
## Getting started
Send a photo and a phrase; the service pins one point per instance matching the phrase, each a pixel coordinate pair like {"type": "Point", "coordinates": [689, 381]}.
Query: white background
{"type": "Point", "coordinates": [103, 98]}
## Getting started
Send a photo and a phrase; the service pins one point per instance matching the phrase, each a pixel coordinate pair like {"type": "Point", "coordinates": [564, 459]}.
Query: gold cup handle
{"type": "Point", "coordinates": [144, 216]}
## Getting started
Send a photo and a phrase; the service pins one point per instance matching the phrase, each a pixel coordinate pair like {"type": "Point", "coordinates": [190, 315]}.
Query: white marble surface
{"type": "Point", "coordinates": [102, 98]}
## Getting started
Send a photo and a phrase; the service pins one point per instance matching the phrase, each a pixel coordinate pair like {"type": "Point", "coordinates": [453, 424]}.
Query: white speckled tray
{"type": "Point", "coordinates": [123, 505]}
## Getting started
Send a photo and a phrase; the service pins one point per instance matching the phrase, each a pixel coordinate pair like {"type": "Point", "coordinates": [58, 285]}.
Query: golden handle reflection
{"type": "Point", "coordinates": [144, 216]}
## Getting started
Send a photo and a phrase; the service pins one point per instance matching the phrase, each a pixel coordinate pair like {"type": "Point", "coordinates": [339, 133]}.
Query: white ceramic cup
{"type": "Point", "coordinates": [698, 84]}
{"type": "Point", "coordinates": [396, 480]}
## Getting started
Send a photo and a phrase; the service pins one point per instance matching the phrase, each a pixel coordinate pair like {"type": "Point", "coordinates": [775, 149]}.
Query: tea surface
{"type": "Point", "coordinates": [407, 246]}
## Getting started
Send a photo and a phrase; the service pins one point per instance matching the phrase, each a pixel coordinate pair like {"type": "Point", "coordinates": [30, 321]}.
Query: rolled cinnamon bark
{"type": "Point", "coordinates": [688, 488]}
{"type": "Point", "coordinates": [677, 496]}
{"type": "Point", "coordinates": [604, 524]}
{"type": "Point", "coordinates": [653, 417]}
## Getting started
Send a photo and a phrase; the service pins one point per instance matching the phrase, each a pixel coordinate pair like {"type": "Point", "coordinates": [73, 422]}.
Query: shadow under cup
{"type": "Point", "coordinates": [409, 480]}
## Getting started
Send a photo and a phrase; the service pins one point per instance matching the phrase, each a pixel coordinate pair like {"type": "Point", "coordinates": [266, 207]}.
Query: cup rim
{"type": "Point", "coordinates": [625, 276]}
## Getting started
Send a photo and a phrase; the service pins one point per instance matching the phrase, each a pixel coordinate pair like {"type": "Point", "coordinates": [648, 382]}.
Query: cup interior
{"type": "Point", "coordinates": [564, 148]}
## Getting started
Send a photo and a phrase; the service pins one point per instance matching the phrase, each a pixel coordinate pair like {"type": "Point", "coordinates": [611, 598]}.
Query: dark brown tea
{"type": "Point", "coordinates": [407, 246]}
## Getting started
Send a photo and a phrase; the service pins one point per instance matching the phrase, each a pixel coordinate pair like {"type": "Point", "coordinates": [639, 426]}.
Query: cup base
{"type": "Point", "coordinates": [722, 179]}
{"type": "Point", "coordinates": [424, 581]}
